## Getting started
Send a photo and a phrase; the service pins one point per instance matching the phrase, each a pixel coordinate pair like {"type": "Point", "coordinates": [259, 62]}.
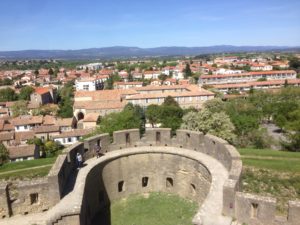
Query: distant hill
{"type": "Point", "coordinates": [126, 52]}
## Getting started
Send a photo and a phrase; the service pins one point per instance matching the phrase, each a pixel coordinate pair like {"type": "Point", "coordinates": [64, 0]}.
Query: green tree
{"type": "Point", "coordinates": [7, 94]}
{"type": "Point", "coordinates": [51, 147]}
{"type": "Point", "coordinates": [217, 124]}
{"type": "Point", "coordinates": [4, 154]}
{"type": "Point", "coordinates": [65, 99]}
{"type": "Point", "coordinates": [20, 108]}
{"type": "Point", "coordinates": [126, 119]}
{"type": "Point", "coordinates": [50, 72]}
{"type": "Point", "coordinates": [215, 105]}
{"type": "Point", "coordinates": [25, 93]}
{"type": "Point", "coordinates": [170, 101]}
{"type": "Point", "coordinates": [187, 71]}
{"type": "Point", "coordinates": [153, 114]}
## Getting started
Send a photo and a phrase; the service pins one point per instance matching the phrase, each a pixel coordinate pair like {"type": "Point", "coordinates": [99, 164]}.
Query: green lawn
{"type": "Point", "coordinates": [268, 153]}
{"type": "Point", "coordinates": [28, 168]}
{"type": "Point", "coordinates": [272, 173]}
{"type": "Point", "coordinates": [153, 208]}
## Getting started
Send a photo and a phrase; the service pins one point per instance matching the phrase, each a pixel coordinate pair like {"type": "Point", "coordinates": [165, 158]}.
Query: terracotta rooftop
{"type": "Point", "coordinates": [257, 83]}
{"type": "Point", "coordinates": [98, 105]}
{"type": "Point", "coordinates": [21, 151]}
{"type": "Point", "coordinates": [74, 133]}
{"type": "Point", "coordinates": [46, 129]}
{"type": "Point", "coordinates": [42, 90]}
{"type": "Point", "coordinates": [26, 120]}
{"type": "Point", "coordinates": [6, 136]}
{"type": "Point", "coordinates": [23, 136]}
{"type": "Point", "coordinates": [91, 117]}
{"type": "Point", "coordinates": [104, 95]}
{"type": "Point", "coordinates": [248, 74]}
{"type": "Point", "coordinates": [49, 120]}
{"type": "Point", "coordinates": [64, 122]}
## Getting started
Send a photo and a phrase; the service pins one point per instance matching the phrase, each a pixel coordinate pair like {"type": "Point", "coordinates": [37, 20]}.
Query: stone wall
{"type": "Point", "coordinates": [137, 173]}
{"type": "Point", "coordinates": [258, 210]}
{"type": "Point", "coordinates": [60, 172]}
{"type": "Point", "coordinates": [24, 197]}
{"type": "Point", "coordinates": [246, 208]}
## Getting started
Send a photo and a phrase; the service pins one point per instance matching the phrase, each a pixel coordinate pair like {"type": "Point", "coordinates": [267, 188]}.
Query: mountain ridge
{"type": "Point", "coordinates": [133, 51]}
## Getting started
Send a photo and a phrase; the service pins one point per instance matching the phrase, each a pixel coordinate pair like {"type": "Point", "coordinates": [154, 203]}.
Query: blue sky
{"type": "Point", "coordinates": [76, 24]}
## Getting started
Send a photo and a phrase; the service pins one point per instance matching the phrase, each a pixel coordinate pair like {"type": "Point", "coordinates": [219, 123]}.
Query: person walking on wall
{"type": "Point", "coordinates": [97, 149]}
{"type": "Point", "coordinates": [79, 160]}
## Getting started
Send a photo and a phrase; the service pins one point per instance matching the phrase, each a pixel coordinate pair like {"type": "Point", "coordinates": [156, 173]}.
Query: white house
{"type": "Point", "coordinates": [89, 84]}
{"type": "Point", "coordinates": [71, 137]}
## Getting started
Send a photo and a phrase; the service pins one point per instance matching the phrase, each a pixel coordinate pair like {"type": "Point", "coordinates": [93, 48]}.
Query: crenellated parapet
{"type": "Point", "coordinates": [155, 161]}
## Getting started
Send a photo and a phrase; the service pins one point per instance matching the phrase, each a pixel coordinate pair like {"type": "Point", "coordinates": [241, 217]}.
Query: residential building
{"type": "Point", "coordinates": [247, 77]}
{"type": "Point", "coordinates": [186, 95]}
{"type": "Point", "coordinates": [127, 85]}
{"type": "Point", "coordinates": [89, 84]}
{"type": "Point", "coordinates": [71, 137]}
{"type": "Point", "coordinates": [43, 95]}
{"type": "Point", "coordinates": [26, 123]}
{"type": "Point", "coordinates": [22, 152]}
{"type": "Point", "coordinates": [242, 87]}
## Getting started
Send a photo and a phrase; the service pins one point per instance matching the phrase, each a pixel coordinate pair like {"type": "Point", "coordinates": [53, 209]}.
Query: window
{"type": "Point", "coordinates": [86, 87]}
{"type": "Point", "coordinates": [254, 210]}
{"type": "Point", "coordinates": [145, 181]}
{"type": "Point", "coordinates": [69, 139]}
{"type": "Point", "coordinates": [34, 198]}
{"type": "Point", "coordinates": [169, 182]}
{"type": "Point", "coordinates": [158, 137]}
{"type": "Point", "coordinates": [127, 137]}
{"type": "Point", "coordinates": [121, 186]}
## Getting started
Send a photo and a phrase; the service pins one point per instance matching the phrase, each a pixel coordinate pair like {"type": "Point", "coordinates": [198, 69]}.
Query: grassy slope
{"type": "Point", "coordinates": [26, 168]}
{"type": "Point", "coordinates": [272, 173]}
{"type": "Point", "coordinates": [155, 208]}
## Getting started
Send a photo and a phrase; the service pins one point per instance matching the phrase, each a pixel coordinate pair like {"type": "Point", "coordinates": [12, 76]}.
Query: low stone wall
{"type": "Point", "coordinates": [5, 210]}
{"type": "Point", "coordinates": [255, 209]}
{"type": "Point", "coordinates": [24, 197]}
{"type": "Point", "coordinates": [245, 208]}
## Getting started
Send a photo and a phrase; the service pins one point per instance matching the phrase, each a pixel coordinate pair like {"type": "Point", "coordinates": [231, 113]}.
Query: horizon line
{"type": "Point", "coordinates": [173, 46]}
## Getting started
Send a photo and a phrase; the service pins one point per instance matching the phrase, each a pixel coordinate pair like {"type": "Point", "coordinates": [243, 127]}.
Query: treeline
{"type": "Point", "coordinates": [239, 121]}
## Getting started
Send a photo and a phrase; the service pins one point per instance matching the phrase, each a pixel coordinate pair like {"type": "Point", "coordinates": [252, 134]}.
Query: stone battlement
{"type": "Point", "coordinates": [157, 145]}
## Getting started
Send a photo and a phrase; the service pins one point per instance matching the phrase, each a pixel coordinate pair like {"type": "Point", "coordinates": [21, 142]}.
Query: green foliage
{"type": "Point", "coordinates": [294, 63]}
{"type": "Point", "coordinates": [215, 105]}
{"type": "Point", "coordinates": [217, 123]}
{"type": "Point", "coordinates": [187, 71]}
{"type": "Point", "coordinates": [6, 81]}
{"type": "Point", "coordinates": [127, 119]}
{"type": "Point", "coordinates": [153, 114]}
{"type": "Point", "coordinates": [20, 108]}
{"type": "Point", "coordinates": [25, 93]}
{"type": "Point", "coordinates": [3, 154]}
{"type": "Point", "coordinates": [7, 94]}
{"type": "Point", "coordinates": [171, 116]}
{"type": "Point", "coordinates": [66, 95]}
{"type": "Point", "coordinates": [51, 147]}
{"type": "Point", "coordinates": [170, 101]}
{"type": "Point", "coordinates": [262, 79]}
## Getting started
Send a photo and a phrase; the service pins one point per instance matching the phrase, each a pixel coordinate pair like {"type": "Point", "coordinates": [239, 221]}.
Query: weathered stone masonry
{"type": "Point", "coordinates": [131, 164]}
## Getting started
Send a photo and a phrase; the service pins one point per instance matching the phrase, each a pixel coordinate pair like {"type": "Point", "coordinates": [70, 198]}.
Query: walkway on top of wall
{"type": "Point", "coordinates": [210, 213]}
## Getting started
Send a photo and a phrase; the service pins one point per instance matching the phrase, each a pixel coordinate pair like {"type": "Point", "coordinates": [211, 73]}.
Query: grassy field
{"type": "Point", "coordinates": [28, 168]}
{"type": "Point", "coordinates": [272, 173]}
{"type": "Point", "coordinates": [153, 208]}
